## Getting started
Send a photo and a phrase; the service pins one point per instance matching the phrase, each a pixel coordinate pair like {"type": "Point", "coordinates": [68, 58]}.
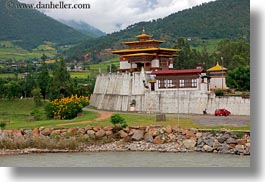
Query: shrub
{"type": "Point", "coordinates": [118, 121]}
{"type": "Point", "coordinates": [67, 107]}
{"type": "Point", "coordinates": [219, 93]}
{"type": "Point", "coordinates": [36, 93]}
{"type": "Point", "coordinates": [2, 125]}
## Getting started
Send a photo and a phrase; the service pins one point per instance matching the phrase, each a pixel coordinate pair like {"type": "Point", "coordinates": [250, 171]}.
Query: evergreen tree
{"type": "Point", "coordinates": [43, 77]}
{"type": "Point", "coordinates": [61, 83]}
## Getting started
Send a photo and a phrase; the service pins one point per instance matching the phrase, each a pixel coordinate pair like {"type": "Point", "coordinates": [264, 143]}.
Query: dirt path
{"type": "Point", "coordinates": [102, 116]}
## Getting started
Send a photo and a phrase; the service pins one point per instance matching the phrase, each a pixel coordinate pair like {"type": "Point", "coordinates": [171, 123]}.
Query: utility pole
{"type": "Point", "coordinates": [222, 72]}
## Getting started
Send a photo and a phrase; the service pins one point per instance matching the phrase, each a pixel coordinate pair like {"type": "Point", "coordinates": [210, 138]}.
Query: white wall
{"type": "Point", "coordinates": [116, 91]}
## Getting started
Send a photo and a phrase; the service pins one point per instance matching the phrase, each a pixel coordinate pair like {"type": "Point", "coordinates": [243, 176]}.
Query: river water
{"type": "Point", "coordinates": [125, 159]}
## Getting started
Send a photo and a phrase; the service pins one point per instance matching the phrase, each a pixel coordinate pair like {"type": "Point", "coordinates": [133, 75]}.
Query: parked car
{"type": "Point", "coordinates": [222, 112]}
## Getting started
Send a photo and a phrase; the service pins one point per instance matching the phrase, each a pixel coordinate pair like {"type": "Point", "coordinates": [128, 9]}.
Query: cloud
{"type": "Point", "coordinates": [113, 15]}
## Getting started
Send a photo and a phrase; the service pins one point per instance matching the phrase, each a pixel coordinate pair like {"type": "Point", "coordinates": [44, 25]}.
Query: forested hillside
{"type": "Point", "coordinates": [31, 28]}
{"type": "Point", "coordinates": [215, 20]}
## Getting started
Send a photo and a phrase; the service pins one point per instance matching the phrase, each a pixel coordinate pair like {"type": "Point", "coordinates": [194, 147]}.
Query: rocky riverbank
{"type": "Point", "coordinates": [151, 138]}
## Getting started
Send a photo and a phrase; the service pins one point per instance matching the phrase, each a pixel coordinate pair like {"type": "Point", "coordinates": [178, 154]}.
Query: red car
{"type": "Point", "coordinates": [222, 112]}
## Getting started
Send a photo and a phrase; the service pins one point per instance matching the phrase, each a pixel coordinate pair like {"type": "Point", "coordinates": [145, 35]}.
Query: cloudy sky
{"type": "Point", "coordinates": [113, 15]}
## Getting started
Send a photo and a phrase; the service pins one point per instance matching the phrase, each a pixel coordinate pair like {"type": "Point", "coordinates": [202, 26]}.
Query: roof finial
{"type": "Point", "coordinates": [143, 32]}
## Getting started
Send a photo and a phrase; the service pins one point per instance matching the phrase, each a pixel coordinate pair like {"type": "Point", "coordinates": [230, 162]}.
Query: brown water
{"type": "Point", "coordinates": [125, 159]}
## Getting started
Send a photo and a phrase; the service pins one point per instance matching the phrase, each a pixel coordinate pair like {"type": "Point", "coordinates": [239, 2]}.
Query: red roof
{"type": "Point", "coordinates": [177, 72]}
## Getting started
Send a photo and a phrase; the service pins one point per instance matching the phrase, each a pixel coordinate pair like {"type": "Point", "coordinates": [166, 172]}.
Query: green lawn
{"type": "Point", "coordinates": [18, 113]}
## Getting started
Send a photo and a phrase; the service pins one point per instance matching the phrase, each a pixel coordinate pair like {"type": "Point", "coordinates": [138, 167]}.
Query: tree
{"type": "Point", "coordinates": [239, 78]}
{"type": "Point", "coordinates": [43, 77]}
{"type": "Point", "coordinates": [112, 68]}
{"type": "Point", "coordinates": [234, 53]}
{"type": "Point", "coordinates": [12, 90]}
{"type": "Point", "coordinates": [61, 82]}
{"type": "Point", "coordinates": [36, 93]}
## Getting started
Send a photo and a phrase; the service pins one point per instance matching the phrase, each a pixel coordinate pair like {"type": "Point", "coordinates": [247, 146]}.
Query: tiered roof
{"type": "Point", "coordinates": [217, 67]}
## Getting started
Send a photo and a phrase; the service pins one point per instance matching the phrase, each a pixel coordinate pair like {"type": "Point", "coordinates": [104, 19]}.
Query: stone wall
{"type": "Point", "coordinates": [116, 91]}
{"type": "Point", "coordinates": [151, 138]}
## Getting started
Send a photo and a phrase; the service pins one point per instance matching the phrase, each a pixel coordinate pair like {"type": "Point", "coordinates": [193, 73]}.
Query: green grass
{"type": "Point", "coordinates": [11, 51]}
{"type": "Point", "coordinates": [82, 75]}
{"type": "Point", "coordinates": [103, 66]}
{"type": "Point", "coordinates": [18, 113]}
{"type": "Point", "coordinates": [145, 120]}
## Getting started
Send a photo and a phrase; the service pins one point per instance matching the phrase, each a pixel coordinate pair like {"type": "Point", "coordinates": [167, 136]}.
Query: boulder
{"type": "Point", "coordinates": [56, 132]}
{"type": "Point", "coordinates": [207, 148]}
{"type": "Point", "coordinates": [189, 143]}
{"type": "Point", "coordinates": [123, 134]}
{"type": "Point", "coordinates": [108, 133]}
{"type": "Point", "coordinates": [241, 141]}
{"type": "Point", "coordinates": [131, 132]}
{"type": "Point", "coordinates": [231, 141]}
{"type": "Point", "coordinates": [82, 131]}
{"type": "Point", "coordinates": [97, 128]}
{"type": "Point", "coordinates": [148, 137]}
{"type": "Point", "coordinates": [72, 130]}
{"type": "Point", "coordinates": [90, 132]}
{"type": "Point", "coordinates": [46, 131]}
{"type": "Point", "coordinates": [190, 134]}
{"type": "Point", "coordinates": [168, 129]}
{"type": "Point", "coordinates": [35, 131]}
{"type": "Point", "coordinates": [239, 148]}
{"type": "Point", "coordinates": [100, 133]}
{"type": "Point", "coordinates": [154, 131]}
{"type": "Point", "coordinates": [17, 133]}
{"type": "Point", "coordinates": [209, 141]}
{"type": "Point", "coordinates": [216, 144]}
{"type": "Point", "coordinates": [138, 135]}
{"type": "Point", "coordinates": [88, 128]}
{"type": "Point", "coordinates": [158, 140]}
{"type": "Point", "coordinates": [27, 132]}
{"type": "Point", "coordinates": [221, 139]}
{"type": "Point", "coordinates": [225, 149]}
{"type": "Point", "coordinates": [108, 128]}
{"type": "Point", "coordinates": [198, 135]}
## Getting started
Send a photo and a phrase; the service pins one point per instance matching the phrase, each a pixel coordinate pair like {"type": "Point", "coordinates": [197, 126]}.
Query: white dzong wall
{"type": "Point", "coordinates": [116, 91]}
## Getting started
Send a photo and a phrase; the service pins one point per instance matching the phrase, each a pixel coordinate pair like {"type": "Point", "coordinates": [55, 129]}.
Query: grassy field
{"type": "Point", "coordinates": [8, 50]}
{"type": "Point", "coordinates": [18, 112]}
{"type": "Point", "coordinates": [82, 75]}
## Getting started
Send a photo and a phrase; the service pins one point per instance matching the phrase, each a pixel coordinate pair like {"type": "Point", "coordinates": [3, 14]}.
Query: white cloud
{"type": "Point", "coordinates": [113, 15]}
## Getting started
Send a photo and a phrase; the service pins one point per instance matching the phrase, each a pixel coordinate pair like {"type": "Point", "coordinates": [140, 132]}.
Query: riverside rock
{"type": "Point", "coordinates": [189, 143]}
{"type": "Point", "coordinates": [138, 135]}
{"type": "Point", "coordinates": [123, 134]}
{"type": "Point", "coordinates": [152, 138]}
{"type": "Point", "coordinates": [207, 148]}
{"type": "Point", "coordinates": [46, 131]}
{"type": "Point", "coordinates": [231, 141]}
{"type": "Point", "coordinates": [100, 133]}
{"type": "Point", "coordinates": [158, 140]}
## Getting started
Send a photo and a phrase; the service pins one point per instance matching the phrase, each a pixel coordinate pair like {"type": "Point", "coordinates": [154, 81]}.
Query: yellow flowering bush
{"type": "Point", "coordinates": [67, 107]}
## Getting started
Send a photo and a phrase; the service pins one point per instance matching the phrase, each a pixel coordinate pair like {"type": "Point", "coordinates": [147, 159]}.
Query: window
{"type": "Point", "coordinates": [194, 83]}
{"type": "Point", "coordinates": [181, 83]}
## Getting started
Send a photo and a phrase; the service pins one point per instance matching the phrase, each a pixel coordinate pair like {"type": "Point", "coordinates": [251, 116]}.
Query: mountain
{"type": "Point", "coordinates": [84, 28]}
{"type": "Point", "coordinates": [219, 19]}
{"type": "Point", "coordinates": [31, 28]}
